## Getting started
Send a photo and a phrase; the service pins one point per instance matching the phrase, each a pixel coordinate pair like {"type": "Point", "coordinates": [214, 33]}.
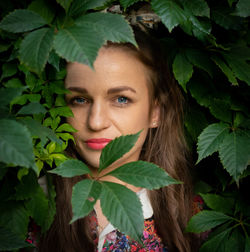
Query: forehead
{"type": "Point", "coordinates": [113, 67]}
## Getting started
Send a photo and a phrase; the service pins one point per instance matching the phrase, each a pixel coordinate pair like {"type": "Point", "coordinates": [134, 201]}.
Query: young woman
{"type": "Point", "coordinates": [130, 89]}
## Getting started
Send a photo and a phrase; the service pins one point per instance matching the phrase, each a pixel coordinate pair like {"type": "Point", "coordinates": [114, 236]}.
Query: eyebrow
{"type": "Point", "coordinates": [110, 91]}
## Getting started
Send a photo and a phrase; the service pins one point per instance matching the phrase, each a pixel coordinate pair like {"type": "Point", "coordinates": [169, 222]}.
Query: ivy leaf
{"type": "Point", "coordinates": [183, 69]}
{"type": "Point", "coordinates": [112, 27]}
{"type": "Point", "coordinates": [234, 152]}
{"type": "Point", "coordinates": [54, 60]}
{"type": "Point", "coordinates": [220, 108]}
{"type": "Point", "coordinates": [31, 109]}
{"type": "Point", "coordinates": [22, 21]}
{"type": "Point", "coordinates": [126, 217]}
{"type": "Point", "coordinates": [8, 69]}
{"type": "Point", "coordinates": [14, 217]}
{"type": "Point", "coordinates": [218, 203]}
{"type": "Point", "coordinates": [225, 69]}
{"type": "Point", "coordinates": [197, 7]}
{"type": "Point", "coordinates": [126, 3]}
{"type": "Point", "coordinates": [37, 207]}
{"type": "Point", "coordinates": [210, 139]}
{"type": "Point", "coordinates": [71, 168]}
{"type": "Point", "coordinates": [35, 48]}
{"type": "Point", "coordinates": [38, 130]}
{"type": "Point", "coordinates": [65, 127]}
{"type": "Point", "coordinates": [84, 196]}
{"type": "Point", "coordinates": [205, 220]}
{"type": "Point", "coordinates": [217, 243]}
{"type": "Point", "coordinates": [8, 94]}
{"type": "Point", "coordinates": [15, 144]}
{"type": "Point", "coordinates": [61, 111]}
{"type": "Point", "coordinates": [116, 149]}
{"type": "Point", "coordinates": [44, 9]}
{"type": "Point", "coordinates": [199, 59]}
{"type": "Point", "coordinates": [78, 7]}
{"type": "Point", "coordinates": [71, 44]}
{"type": "Point", "coordinates": [239, 66]}
{"type": "Point", "coordinates": [143, 174]}
{"type": "Point", "coordinates": [170, 13]}
{"type": "Point", "coordinates": [243, 8]}
{"type": "Point", "coordinates": [65, 3]}
{"type": "Point", "coordinates": [11, 241]}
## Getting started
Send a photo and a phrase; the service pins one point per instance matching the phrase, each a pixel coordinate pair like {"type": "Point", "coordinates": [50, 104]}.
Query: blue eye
{"type": "Point", "coordinates": [79, 100]}
{"type": "Point", "coordinates": [122, 99]}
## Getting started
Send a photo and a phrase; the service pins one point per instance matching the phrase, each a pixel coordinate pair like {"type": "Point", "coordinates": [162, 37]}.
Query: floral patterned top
{"type": "Point", "coordinates": [111, 239]}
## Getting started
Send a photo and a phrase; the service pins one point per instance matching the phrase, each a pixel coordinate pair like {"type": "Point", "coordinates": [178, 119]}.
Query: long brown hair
{"type": "Point", "coordinates": [164, 146]}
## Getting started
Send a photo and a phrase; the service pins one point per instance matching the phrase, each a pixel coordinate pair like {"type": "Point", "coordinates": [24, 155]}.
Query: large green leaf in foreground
{"type": "Point", "coordinates": [122, 208]}
{"type": "Point", "coordinates": [116, 149]}
{"type": "Point", "coordinates": [84, 196]}
{"type": "Point", "coordinates": [143, 174]}
{"type": "Point", "coordinates": [15, 144]}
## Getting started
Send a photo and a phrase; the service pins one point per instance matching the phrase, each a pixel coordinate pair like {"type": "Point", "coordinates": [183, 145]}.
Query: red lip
{"type": "Point", "coordinates": [97, 143]}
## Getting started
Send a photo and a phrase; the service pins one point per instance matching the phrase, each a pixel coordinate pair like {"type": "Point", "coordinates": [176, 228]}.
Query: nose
{"type": "Point", "coordinates": [98, 117]}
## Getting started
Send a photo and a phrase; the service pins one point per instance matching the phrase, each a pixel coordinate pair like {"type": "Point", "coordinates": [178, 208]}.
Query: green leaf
{"type": "Point", "coordinates": [65, 3]}
{"type": "Point", "coordinates": [8, 94]}
{"type": "Point", "coordinates": [54, 60]}
{"type": "Point", "coordinates": [197, 7]}
{"type": "Point", "coordinates": [210, 139]}
{"type": "Point", "coordinates": [65, 127]}
{"type": "Point", "coordinates": [37, 207]}
{"type": "Point", "coordinates": [15, 144]}
{"type": "Point", "coordinates": [31, 109]}
{"type": "Point", "coordinates": [234, 152]}
{"type": "Point", "coordinates": [35, 48]}
{"type": "Point", "coordinates": [235, 242]}
{"type": "Point", "coordinates": [11, 241]}
{"type": "Point", "coordinates": [37, 129]}
{"type": "Point", "coordinates": [22, 21]}
{"type": "Point", "coordinates": [116, 149]}
{"type": "Point", "coordinates": [71, 44]}
{"type": "Point", "coordinates": [182, 69]}
{"type": "Point", "coordinates": [84, 196]}
{"type": "Point", "coordinates": [239, 66]}
{"type": "Point", "coordinates": [143, 174]}
{"type": "Point", "coordinates": [243, 8]}
{"type": "Point", "coordinates": [112, 27]}
{"type": "Point", "coordinates": [170, 13]}
{"type": "Point", "coordinates": [223, 17]}
{"type": "Point", "coordinates": [219, 203]}
{"type": "Point", "coordinates": [217, 243]}
{"type": "Point", "coordinates": [225, 69]}
{"type": "Point", "coordinates": [15, 218]}
{"type": "Point", "coordinates": [126, 3]}
{"type": "Point", "coordinates": [78, 7]}
{"type": "Point", "coordinates": [205, 220]}
{"type": "Point", "coordinates": [51, 204]}
{"type": "Point", "coordinates": [199, 59]}
{"type": "Point", "coordinates": [61, 111]}
{"type": "Point", "coordinates": [126, 217]}
{"type": "Point", "coordinates": [71, 168]}
{"type": "Point", "coordinates": [247, 245]}
{"type": "Point", "coordinates": [8, 69]}
{"type": "Point", "coordinates": [44, 9]}
{"type": "Point", "coordinates": [220, 108]}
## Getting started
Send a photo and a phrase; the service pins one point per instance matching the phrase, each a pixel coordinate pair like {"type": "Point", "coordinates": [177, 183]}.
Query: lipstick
{"type": "Point", "coordinates": [97, 143]}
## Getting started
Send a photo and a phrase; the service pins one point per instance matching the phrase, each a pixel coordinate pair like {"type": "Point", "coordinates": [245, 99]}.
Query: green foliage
{"type": "Point", "coordinates": [208, 49]}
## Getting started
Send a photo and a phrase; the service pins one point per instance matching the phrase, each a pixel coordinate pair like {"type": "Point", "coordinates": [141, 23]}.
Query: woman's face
{"type": "Point", "coordinates": [109, 101]}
